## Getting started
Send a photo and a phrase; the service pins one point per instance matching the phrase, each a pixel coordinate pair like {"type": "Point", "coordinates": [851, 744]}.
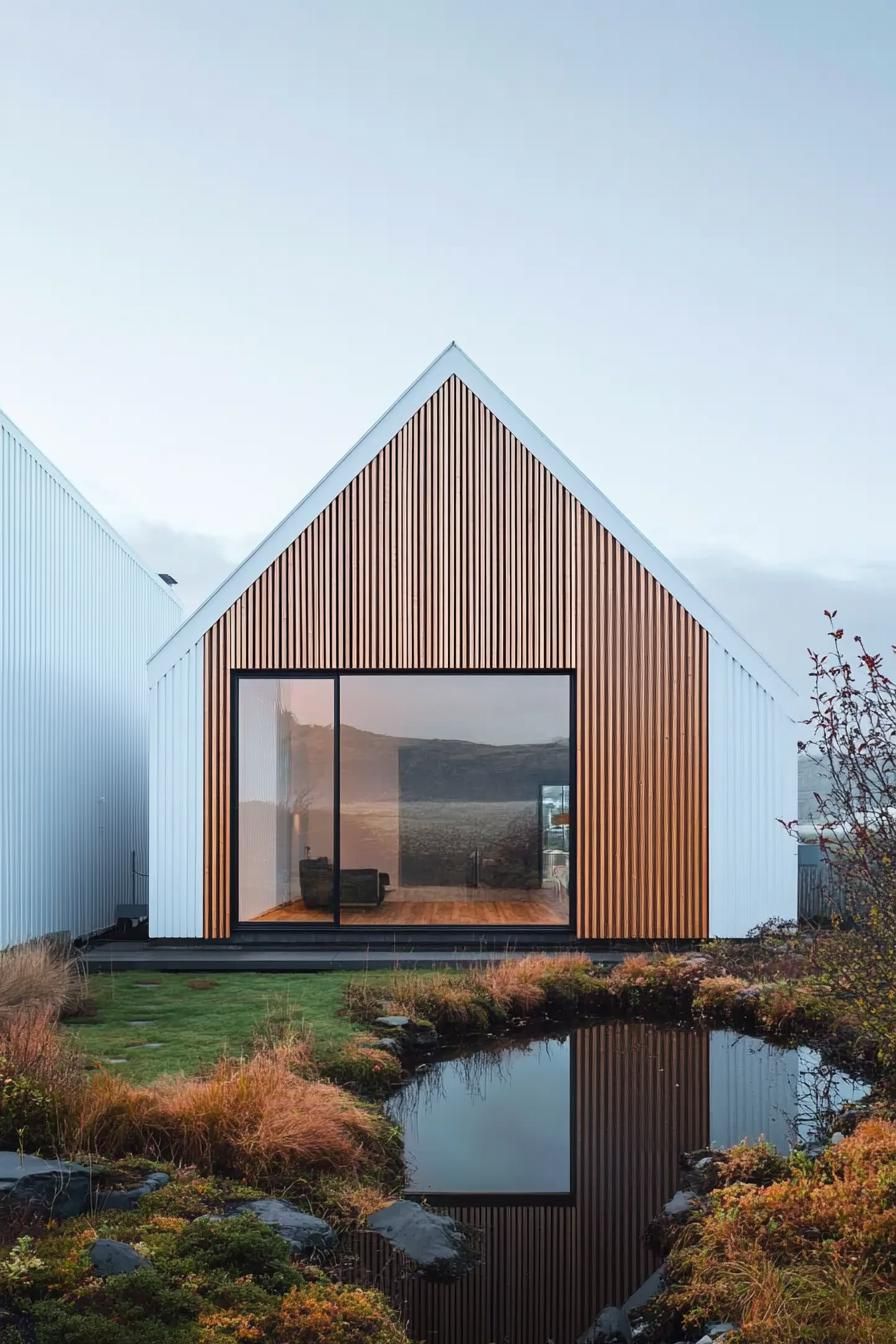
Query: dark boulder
{"type": "Point", "coordinates": [54, 1188]}
{"type": "Point", "coordinates": [679, 1209]}
{"type": "Point", "coordinates": [304, 1232]}
{"type": "Point", "coordinates": [115, 1257]}
{"type": "Point", "coordinates": [388, 1043]}
{"type": "Point", "coordinates": [611, 1327]}
{"type": "Point", "coordinates": [441, 1247]}
{"type": "Point", "coordinates": [644, 1294]}
{"type": "Point", "coordinates": [129, 1199]}
{"type": "Point", "coordinates": [417, 1034]}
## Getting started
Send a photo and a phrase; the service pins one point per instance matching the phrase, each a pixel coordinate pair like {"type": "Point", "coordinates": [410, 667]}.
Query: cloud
{"type": "Point", "coordinates": [199, 562]}
{"type": "Point", "coordinates": [780, 611]}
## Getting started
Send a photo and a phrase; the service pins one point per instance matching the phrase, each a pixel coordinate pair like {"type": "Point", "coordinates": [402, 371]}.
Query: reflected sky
{"type": "Point", "coordinates": [560, 1151]}
{"type": "Point", "coordinates": [494, 1123]}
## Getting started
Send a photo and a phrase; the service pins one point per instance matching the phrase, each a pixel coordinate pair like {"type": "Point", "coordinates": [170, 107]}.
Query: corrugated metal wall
{"type": "Point", "coordinates": [456, 548]}
{"type": "Point", "coordinates": [640, 1099]}
{"type": "Point", "coordinates": [175, 800]}
{"type": "Point", "coordinates": [752, 787]}
{"type": "Point", "coordinates": [754, 1091]}
{"type": "Point", "coordinates": [79, 616]}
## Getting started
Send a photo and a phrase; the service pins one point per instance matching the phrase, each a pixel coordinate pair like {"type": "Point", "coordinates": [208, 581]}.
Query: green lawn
{"type": "Point", "coordinates": [193, 1026]}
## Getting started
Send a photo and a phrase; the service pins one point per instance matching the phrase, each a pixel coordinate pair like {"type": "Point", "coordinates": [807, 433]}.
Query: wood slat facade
{"type": "Point", "coordinates": [640, 1098]}
{"type": "Point", "coordinates": [455, 548]}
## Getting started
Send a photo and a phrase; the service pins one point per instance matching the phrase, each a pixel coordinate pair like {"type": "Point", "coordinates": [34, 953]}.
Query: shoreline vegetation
{"type": "Point", "coordinates": [290, 1111]}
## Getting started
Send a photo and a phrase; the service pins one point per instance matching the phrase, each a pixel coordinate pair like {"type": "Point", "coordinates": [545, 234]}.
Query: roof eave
{"type": "Point", "coordinates": [454, 361]}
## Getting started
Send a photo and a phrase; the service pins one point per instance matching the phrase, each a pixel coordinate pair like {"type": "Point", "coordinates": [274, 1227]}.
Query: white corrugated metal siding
{"type": "Point", "coordinates": [175, 800]}
{"type": "Point", "coordinates": [754, 1091]}
{"type": "Point", "coordinates": [79, 615]}
{"type": "Point", "coordinates": [752, 787]}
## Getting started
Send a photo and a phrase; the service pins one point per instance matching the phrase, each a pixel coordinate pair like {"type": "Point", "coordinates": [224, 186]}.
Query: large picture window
{"type": "Point", "coordinates": [405, 799]}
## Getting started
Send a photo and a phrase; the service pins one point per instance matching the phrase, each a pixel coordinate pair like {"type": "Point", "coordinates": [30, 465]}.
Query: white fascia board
{"type": "Point", "coordinates": [64, 483]}
{"type": "Point", "coordinates": [292, 526]}
{"type": "Point", "coordinates": [453, 361]}
{"type": "Point", "coordinates": [625, 532]}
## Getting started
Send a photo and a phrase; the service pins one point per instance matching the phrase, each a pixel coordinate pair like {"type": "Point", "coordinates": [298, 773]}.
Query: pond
{"type": "Point", "coordinates": [561, 1149]}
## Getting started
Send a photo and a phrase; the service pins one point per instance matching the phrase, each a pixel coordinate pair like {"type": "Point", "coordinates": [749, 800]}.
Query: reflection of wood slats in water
{"type": "Point", "coordinates": [641, 1098]}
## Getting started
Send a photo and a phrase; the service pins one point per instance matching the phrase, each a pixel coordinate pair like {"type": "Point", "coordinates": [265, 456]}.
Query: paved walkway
{"type": "Point", "coordinates": [145, 956]}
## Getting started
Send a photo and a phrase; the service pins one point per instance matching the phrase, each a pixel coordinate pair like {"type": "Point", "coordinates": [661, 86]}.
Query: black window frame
{"type": "Point", "coordinates": [335, 675]}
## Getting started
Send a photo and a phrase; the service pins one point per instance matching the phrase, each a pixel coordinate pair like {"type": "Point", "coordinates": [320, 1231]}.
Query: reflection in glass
{"type": "Point", "coordinates": [285, 798]}
{"type": "Point", "coordinates": [455, 805]}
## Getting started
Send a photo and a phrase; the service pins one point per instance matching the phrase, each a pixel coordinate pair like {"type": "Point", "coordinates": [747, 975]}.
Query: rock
{"type": "Point", "coordinates": [611, 1327]}
{"type": "Point", "coordinates": [115, 1257]}
{"type": "Point", "coordinates": [388, 1043]}
{"type": "Point", "coordinates": [302, 1231]}
{"type": "Point", "coordinates": [439, 1245]}
{"type": "Point", "coordinates": [55, 1188]}
{"type": "Point", "coordinates": [417, 1033]}
{"type": "Point", "coordinates": [641, 1296]}
{"type": "Point", "coordinates": [717, 1332]}
{"type": "Point", "coordinates": [680, 1205]}
{"type": "Point", "coordinates": [129, 1199]}
{"type": "Point", "coordinates": [661, 1232]}
{"type": "Point", "coordinates": [157, 1179]}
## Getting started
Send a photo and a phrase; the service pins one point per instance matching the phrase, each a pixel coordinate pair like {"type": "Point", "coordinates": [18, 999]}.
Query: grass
{"type": "Point", "coordinates": [195, 1021]}
{"type": "Point", "coordinates": [265, 1119]}
{"type": "Point", "coordinates": [41, 977]}
{"type": "Point", "coordinates": [806, 1255]}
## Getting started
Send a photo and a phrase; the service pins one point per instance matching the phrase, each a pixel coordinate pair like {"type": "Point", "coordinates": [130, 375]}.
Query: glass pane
{"type": "Point", "coordinates": [452, 796]}
{"type": "Point", "coordinates": [285, 765]}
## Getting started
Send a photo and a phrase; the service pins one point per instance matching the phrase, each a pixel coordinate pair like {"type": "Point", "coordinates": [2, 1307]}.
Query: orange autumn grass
{"type": "Point", "coordinates": [259, 1119]}
{"type": "Point", "coordinates": [808, 1258]}
{"type": "Point", "coordinates": [478, 999]}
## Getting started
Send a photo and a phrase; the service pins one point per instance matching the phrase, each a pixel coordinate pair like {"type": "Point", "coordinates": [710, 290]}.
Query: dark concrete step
{"type": "Point", "coordinates": [191, 956]}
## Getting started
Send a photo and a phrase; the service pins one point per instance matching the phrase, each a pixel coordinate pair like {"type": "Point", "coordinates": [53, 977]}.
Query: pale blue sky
{"type": "Point", "coordinates": [231, 234]}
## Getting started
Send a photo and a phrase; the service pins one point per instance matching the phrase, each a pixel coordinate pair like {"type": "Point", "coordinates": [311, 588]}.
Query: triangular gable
{"type": "Point", "coordinates": [453, 361]}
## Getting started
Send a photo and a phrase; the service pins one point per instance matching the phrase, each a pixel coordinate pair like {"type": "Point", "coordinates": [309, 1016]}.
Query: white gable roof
{"type": "Point", "coordinates": [11, 434]}
{"type": "Point", "coordinates": [454, 361]}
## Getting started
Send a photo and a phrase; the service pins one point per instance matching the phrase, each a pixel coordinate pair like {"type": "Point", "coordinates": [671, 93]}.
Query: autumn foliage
{"type": "Point", "coordinates": [259, 1118]}
{"type": "Point", "coordinates": [806, 1259]}
{"type": "Point", "coordinates": [853, 730]}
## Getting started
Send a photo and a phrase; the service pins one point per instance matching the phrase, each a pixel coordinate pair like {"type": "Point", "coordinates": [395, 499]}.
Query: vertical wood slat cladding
{"type": "Point", "coordinates": [456, 549]}
{"type": "Point", "coordinates": [640, 1099]}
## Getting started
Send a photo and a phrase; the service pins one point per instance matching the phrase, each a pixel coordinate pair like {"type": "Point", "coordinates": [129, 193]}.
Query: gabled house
{"type": "Point", "coordinates": [456, 694]}
{"type": "Point", "coordinates": [79, 616]}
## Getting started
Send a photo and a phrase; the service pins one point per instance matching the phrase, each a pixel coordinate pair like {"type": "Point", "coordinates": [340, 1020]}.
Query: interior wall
{"type": "Point", "coordinates": [456, 548]}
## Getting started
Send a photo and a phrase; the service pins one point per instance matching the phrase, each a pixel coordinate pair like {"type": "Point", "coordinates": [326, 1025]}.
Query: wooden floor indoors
{"type": "Point", "coordinates": [420, 906]}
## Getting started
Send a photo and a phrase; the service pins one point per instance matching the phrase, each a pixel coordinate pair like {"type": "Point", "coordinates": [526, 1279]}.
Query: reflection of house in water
{"type": "Point", "coordinates": [638, 1096]}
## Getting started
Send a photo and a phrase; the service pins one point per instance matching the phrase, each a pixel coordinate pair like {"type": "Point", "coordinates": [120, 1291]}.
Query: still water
{"type": "Point", "coordinates": [561, 1150]}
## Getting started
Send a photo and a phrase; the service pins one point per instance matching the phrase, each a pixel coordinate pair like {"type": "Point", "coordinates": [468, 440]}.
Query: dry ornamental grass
{"type": "Point", "coordinates": [257, 1118]}
{"type": "Point", "coordinates": [42, 977]}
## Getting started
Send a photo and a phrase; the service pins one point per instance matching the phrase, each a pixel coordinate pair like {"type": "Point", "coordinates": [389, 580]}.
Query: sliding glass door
{"type": "Point", "coordinates": [452, 794]}
{"type": "Point", "coordinates": [286, 773]}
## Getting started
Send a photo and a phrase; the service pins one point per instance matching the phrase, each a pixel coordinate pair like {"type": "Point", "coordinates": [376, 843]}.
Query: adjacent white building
{"type": "Point", "coordinates": [79, 616]}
